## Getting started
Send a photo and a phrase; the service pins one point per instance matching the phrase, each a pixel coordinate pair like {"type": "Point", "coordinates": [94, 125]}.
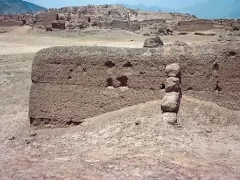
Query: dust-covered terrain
{"type": "Point", "coordinates": [130, 143]}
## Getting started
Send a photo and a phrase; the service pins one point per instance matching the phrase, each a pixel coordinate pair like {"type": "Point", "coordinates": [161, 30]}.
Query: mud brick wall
{"type": "Point", "coordinates": [117, 24]}
{"type": "Point", "coordinates": [11, 23]}
{"type": "Point", "coordinates": [195, 25]}
{"type": "Point", "coordinates": [46, 18]}
{"type": "Point", "coordinates": [70, 84]}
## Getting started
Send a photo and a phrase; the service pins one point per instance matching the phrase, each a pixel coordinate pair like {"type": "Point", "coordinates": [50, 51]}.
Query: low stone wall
{"type": "Point", "coordinates": [11, 23]}
{"type": "Point", "coordinates": [70, 84]}
{"type": "Point", "coordinates": [195, 25]}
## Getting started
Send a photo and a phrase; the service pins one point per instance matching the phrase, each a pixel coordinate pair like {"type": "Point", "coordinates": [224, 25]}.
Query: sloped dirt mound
{"type": "Point", "coordinates": [133, 143]}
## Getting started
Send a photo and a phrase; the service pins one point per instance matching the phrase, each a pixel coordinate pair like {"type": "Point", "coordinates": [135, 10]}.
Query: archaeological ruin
{"type": "Point", "coordinates": [70, 84]}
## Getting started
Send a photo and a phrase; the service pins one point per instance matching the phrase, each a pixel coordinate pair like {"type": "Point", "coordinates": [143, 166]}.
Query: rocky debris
{"type": "Point", "coordinates": [205, 33]}
{"type": "Point", "coordinates": [173, 70]}
{"type": "Point", "coordinates": [153, 42]}
{"type": "Point", "coordinates": [11, 138]}
{"type": "Point", "coordinates": [58, 25]}
{"type": "Point", "coordinates": [179, 43]}
{"type": "Point", "coordinates": [48, 28]}
{"type": "Point", "coordinates": [171, 100]}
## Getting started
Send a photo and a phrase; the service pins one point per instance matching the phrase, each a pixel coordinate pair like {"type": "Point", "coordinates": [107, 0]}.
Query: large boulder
{"type": "Point", "coordinates": [173, 70]}
{"type": "Point", "coordinates": [171, 102]}
{"type": "Point", "coordinates": [173, 84]}
{"type": "Point", "coordinates": [153, 42]}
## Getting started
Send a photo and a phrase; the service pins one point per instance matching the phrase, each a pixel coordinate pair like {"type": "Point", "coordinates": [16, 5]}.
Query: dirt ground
{"type": "Point", "coordinates": [132, 143]}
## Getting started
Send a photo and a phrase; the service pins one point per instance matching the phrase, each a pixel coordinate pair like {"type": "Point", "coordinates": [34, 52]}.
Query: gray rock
{"type": "Point", "coordinates": [173, 70]}
{"type": "Point", "coordinates": [153, 42]}
{"type": "Point", "coordinates": [173, 84]}
{"type": "Point", "coordinates": [171, 102]}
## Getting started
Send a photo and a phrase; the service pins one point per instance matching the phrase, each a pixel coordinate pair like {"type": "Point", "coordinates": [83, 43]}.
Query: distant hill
{"type": "Point", "coordinates": [147, 8]}
{"type": "Point", "coordinates": [211, 9]}
{"type": "Point", "coordinates": [18, 7]}
{"type": "Point", "coordinates": [215, 9]}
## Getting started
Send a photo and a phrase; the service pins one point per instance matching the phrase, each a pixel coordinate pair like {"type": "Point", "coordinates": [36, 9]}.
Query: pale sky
{"type": "Point", "coordinates": [173, 4]}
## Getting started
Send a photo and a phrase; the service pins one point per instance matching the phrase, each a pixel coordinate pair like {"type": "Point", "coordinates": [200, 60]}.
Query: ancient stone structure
{"type": "Point", "coordinates": [70, 84]}
{"type": "Point", "coordinates": [45, 18]}
{"type": "Point", "coordinates": [171, 100]}
{"type": "Point", "coordinates": [195, 25]}
{"type": "Point", "coordinates": [58, 25]}
{"type": "Point", "coordinates": [153, 42]}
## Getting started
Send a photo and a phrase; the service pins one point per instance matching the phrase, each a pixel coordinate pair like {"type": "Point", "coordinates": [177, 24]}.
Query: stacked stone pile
{"type": "Point", "coordinates": [172, 97]}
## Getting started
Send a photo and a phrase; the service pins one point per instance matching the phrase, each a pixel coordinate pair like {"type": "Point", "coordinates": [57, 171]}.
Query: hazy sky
{"type": "Point", "coordinates": [173, 4]}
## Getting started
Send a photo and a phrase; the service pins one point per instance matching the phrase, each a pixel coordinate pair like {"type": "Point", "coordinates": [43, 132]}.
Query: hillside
{"type": "Point", "coordinates": [148, 8]}
{"type": "Point", "coordinates": [18, 7]}
{"type": "Point", "coordinates": [215, 9]}
{"type": "Point", "coordinates": [211, 9]}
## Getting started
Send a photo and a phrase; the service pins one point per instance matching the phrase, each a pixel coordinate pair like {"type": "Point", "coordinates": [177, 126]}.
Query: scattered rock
{"type": "Point", "coordinates": [182, 33]}
{"type": "Point", "coordinates": [173, 70]}
{"type": "Point", "coordinates": [48, 28]}
{"type": "Point", "coordinates": [153, 42]}
{"type": "Point", "coordinates": [11, 138]}
{"type": "Point", "coordinates": [172, 84]}
{"type": "Point", "coordinates": [179, 43]}
{"type": "Point", "coordinates": [209, 131]}
{"type": "Point", "coordinates": [137, 123]}
{"type": "Point", "coordinates": [205, 33]}
{"type": "Point", "coordinates": [33, 134]}
{"type": "Point", "coordinates": [29, 140]}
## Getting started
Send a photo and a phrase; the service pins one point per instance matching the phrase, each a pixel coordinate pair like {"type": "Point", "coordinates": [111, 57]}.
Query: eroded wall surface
{"type": "Point", "coordinates": [70, 84]}
{"type": "Point", "coordinates": [195, 25]}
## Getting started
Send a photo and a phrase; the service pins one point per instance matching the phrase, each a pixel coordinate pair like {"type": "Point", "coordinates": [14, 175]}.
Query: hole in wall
{"type": "Point", "coordinates": [123, 81]}
{"type": "Point", "coordinates": [109, 82]}
{"type": "Point", "coordinates": [109, 64]}
{"type": "Point", "coordinates": [232, 53]}
{"type": "Point", "coordinates": [84, 69]}
{"type": "Point", "coordinates": [74, 123]}
{"type": "Point", "coordinates": [128, 64]}
{"type": "Point", "coordinates": [71, 70]}
{"type": "Point", "coordinates": [162, 86]}
{"type": "Point", "coordinates": [216, 66]}
{"type": "Point", "coordinates": [189, 88]}
{"type": "Point", "coordinates": [218, 88]}
{"type": "Point", "coordinates": [89, 19]}
{"type": "Point", "coordinates": [141, 72]}
{"type": "Point", "coordinates": [69, 77]}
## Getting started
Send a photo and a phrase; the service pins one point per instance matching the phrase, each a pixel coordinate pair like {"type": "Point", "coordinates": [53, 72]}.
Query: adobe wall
{"type": "Point", "coordinates": [10, 23]}
{"type": "Point", "coordinates": [117, 24]}
{"type": "Point", "coordinates": [195, 25]}
{"type": "Point", "coordinates": [46, 18]}
{"type": "Point", "coordinates": [70, 84]}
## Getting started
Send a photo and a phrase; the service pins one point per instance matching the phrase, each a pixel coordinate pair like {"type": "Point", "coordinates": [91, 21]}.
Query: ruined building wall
{"type": "Point", "coordinates": [46, 18]}
{"type": "Point", "coordinates": [73, 83]}
{"type": "Point", "coordinates": [195, 25]}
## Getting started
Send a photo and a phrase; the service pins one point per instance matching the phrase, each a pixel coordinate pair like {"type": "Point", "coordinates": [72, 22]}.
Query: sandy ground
{"type": "Point", "coordinates": [131, 143]}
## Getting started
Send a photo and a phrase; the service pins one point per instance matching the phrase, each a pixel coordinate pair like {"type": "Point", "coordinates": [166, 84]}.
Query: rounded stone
{"type": "Point", "coordinates": [172, 84]}
{"type": "Point", "coordinates": [171, 102]}
{"type": "Point", "coordinates": [173, 70]}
